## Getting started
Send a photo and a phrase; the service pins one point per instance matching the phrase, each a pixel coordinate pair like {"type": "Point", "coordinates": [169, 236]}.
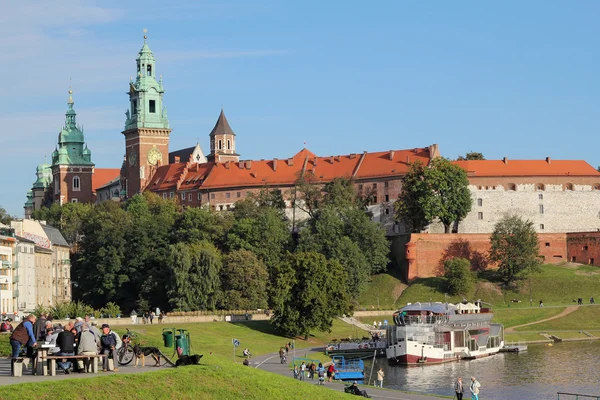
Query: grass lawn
{"type": "Point", "coordinates": [383, 292]}
{"type": "Point", "coordinates": [514, 316]}
{"type": "Point", "coordinates": [216, 378]}
{"type": "Point", "coordinates": [583, 319]}
{"type": "Point", "coordinates": [520, 337]}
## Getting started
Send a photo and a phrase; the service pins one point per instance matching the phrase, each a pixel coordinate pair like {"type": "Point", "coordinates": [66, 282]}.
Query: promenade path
{"type": "Point", "coordinates": [271, 363]}
{"type": "Point", "coordinates": [565, 312]}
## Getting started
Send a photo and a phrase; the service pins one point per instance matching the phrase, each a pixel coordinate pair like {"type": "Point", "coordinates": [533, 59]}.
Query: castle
{"type": "Point", "coordinates": [557, 195]}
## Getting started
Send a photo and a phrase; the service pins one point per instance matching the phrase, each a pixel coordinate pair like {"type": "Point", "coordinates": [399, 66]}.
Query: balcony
{"type": "Point", "coordinates": [5, 264]}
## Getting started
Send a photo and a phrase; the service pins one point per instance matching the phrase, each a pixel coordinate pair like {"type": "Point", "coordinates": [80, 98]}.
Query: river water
{"type": "Point", "coordinates": [538, 373]}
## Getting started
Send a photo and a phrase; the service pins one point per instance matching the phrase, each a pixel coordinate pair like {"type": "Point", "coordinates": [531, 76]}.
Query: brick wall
{"type": "Point", "coordinates": [584, 247]}
{"type": "Point", "coordinates": [424, 251]}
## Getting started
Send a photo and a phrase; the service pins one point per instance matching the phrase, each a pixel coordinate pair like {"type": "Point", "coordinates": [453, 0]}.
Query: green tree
{"type": "Point", "coordinates": [471, 156]}
{"type": "Point", "coordinates": [440, 191]}
{"type": "Point", "coordinates": [341, 229]}
{"type": "Point", "coordinates": [310, 293]}
{"type": "Point", "coordinates": [197, 224]}
{"type": "Point", "coordinates": [515, 249]}
{"type": "Point", "coordinates": [67, 218]}
{"type": "Point", "coordinates": [244, 281]}
{"type": "Point", "coordinates": [5, 217]}
{"type": "Point", "coordinates": [98, 272]}
{"type": "Point", "coordinates": [194, 276]}
{"type": "Point", "coordinates": [459, 278]}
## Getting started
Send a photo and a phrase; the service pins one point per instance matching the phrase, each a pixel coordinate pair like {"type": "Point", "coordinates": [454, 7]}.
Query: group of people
{"type": "Point", "coordinates": [474, 386]}
{"type": "Point", "coordinates": [309, 371]}
{"type": "Point", "coordinates": [82, 337]}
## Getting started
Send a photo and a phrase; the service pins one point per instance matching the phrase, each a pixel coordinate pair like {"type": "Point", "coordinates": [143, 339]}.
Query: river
{"type": "Point", "coordinates": [538, 373]}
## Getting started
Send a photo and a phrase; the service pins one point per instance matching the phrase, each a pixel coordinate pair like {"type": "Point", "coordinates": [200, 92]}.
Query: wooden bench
{"type": "Point", "coordinates": [52, 361]}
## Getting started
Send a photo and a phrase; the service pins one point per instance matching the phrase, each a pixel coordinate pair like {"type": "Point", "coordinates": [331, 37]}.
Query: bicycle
{"type": "Point", "coordinates": [125, 353]}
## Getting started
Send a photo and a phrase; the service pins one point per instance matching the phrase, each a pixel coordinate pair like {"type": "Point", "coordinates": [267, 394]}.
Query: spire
{"type": "Point", "coordinates": [70, 93]}
{"type": "Point", "coordinates": [70, 114]}
{"type": "Point", "coordinates": [222, 126]}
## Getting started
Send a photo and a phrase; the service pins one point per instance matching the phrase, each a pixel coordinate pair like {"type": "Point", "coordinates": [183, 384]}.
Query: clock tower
{"type": "Point", "coordinates": [146, 126]}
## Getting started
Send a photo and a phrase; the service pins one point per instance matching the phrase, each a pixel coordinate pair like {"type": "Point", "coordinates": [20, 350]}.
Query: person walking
{"type": "Point", "coordinates": [302, 371]}
{"type": "Point", "coordinates": [380, 375]}
{"type": "Point", "coordinates": [474, 388]}
{"type": "Point", "coordinates": [459, 389]}
{"type": "Point", "coordinates": [330, 372]}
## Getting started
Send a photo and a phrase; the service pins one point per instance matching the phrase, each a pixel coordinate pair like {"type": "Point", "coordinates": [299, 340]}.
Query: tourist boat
{"type": "Point", "coordinates": [432, 333]}
{"type": "Point", "coordinates": [357, 348]}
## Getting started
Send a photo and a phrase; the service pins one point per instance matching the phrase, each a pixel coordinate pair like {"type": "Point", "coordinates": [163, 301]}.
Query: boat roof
{"type": "Point", "coordinates": [436, 308]}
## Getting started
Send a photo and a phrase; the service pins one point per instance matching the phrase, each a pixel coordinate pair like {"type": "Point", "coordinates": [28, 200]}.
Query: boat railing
{"type": "Point", "coordinates": [576, 396]}
{"type": "Point", "coordinates": [425, 319]}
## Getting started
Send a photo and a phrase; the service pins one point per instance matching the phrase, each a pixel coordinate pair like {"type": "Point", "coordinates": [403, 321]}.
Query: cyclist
{"type": "Point", "coordinates": [247, 353]}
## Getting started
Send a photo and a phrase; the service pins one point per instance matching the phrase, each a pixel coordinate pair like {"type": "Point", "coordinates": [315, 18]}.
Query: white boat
{"type": "Point", "coordinates": [432, 333]}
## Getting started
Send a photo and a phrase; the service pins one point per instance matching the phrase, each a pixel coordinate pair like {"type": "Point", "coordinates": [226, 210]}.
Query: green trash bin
{"type": "Point", "coordinates": [168, 338]}
{"type": "Point", "coordinates": [182, 345]}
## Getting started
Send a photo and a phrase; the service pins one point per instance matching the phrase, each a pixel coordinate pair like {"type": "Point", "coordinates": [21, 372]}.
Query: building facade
{"type": "Point", "coordinates": [7, 251]}
{"type": "Point", "coordinates": [25, 285]}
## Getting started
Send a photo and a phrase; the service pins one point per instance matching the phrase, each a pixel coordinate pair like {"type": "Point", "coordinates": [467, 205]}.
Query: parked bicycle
{"type": "Point", "coordinates": [125, 353]}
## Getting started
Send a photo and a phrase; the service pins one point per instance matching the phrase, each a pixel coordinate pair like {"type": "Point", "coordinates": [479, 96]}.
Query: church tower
{"type": "Point", "coordinates": [72, 166]}
{"type": "Point", "coordinates": [146, 127]}
{"type": "Point", "coordinates": [222, 142]}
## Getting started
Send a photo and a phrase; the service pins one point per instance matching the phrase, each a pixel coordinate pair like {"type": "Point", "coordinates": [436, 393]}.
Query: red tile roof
{"type": "Point", "coordinates": [277, 172]}
{"type": "Point", "coordinates": [548, 167]}
{"type": "Point", "coordinates": [102, 176]}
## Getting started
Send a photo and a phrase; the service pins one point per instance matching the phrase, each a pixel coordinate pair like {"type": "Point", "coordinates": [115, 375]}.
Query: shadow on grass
{"type": "Point", "coordinates": [436, 283]}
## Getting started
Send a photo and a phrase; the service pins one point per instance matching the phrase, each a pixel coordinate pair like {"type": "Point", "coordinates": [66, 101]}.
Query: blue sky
{"type": "Point", "coordinates": [512, 78]}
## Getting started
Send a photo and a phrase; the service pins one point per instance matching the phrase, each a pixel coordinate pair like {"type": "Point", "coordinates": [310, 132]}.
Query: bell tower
{"type": "Point", "coordinates": [222, 141]}
{"type": "Point", "coordinates": [146, 126]}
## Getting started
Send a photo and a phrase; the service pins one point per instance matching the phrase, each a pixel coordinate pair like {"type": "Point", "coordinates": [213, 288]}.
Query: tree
{"type": "Point", "coordinates": [194, 276]}
{"type": "Point", "coordinates": [459, 278]}
{"type": "Point", "coordinates": [310, 293]}
{"type": "Point", "coordinates": [515, 248]}
{"type": "Point", "coordinates": [440, 190]}
{"type": "Point", "coordinates": [197, 224]}
{"type": "Point", "coordinates": [471, 156]}
{"type": "Point", "coordinates": [5, 217]}
{"type": "Point", "coordinates": [244, 281]}
{"type": "Point", "coordinates": [341, 229]}
{"type": "Point", "coordinates": [67, 218]}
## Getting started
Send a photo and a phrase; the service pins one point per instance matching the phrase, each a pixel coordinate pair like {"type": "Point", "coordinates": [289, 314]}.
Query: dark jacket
{"type": "Point", "coordinates": [20, 333]}
{"type": "Point", "coordinates": [39, 329]}
{"type": "Point", "coordinates": [66, 341]}
{"type": "Point", "coordinates": [108, 341]}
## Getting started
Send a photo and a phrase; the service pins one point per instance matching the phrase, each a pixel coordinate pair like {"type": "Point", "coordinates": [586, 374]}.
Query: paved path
{"type": "Point", "coordinates": [566, 311]}
{"type": "Point", "coordinates": [271, 363]}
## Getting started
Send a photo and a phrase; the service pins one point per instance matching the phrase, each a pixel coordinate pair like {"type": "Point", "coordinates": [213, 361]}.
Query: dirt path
{"type": "Point", "coordinates": [566, 311]}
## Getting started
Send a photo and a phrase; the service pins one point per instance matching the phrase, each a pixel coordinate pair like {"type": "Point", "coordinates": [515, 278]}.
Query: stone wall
{"type": "Point", "coordinates": [560, 204]}
{"type": "Point", "coordinates": [424, 251]}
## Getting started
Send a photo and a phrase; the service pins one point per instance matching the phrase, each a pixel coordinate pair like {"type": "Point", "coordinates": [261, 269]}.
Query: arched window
{"type": "Point", "coordinates": [149, 70]}
{"type": "Point", "coordinates": [220, 144]}
{"type": "Point", "coordinates": [228, 144]}
{"type": "Point", "coordinates": [76, 184]}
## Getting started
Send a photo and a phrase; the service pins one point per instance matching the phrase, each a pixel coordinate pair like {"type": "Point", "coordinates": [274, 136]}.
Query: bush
{"type": "Point", "coordinates": [111, 309]}
{"type": "Point", "coordinates": [458, 275]}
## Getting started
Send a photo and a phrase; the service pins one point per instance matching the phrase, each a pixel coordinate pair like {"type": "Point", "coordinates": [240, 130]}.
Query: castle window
{"type": "Point", "coordinates": [387, 197]}
{"type": "Point", "coordinates": [584, 248]}
{"type": "Point", "coordinates": [547, 244]}
{"type": "Point", "coordinates": [228, 144]}
{"type": "Point", "coordinates": [165, 195]}
{"type": "Point", "coordinates": [568, 186]}
{"type": "Point", "coordinates": [190, 197]}
{"type": "Point", "coordinates": [76, 184]}
{"type": "Point", "coordinates": [542, 228]}
{"type": "Point", "coordinates": [387, 211]}
{"type": "Point", "coordinates": [479, 215]}
{"type": "Point", "coordinates": [171, 195]}
{"type": "Point", "coordinates": [239, 194]}
{"type": "Point", "coordinates": [374, 186]}
{"type": "Point", "coordinates": [374, 199]}
{"type": "Point", "coordinates": [134, 107]}
{"type": "Point", "coordinates": [540, 186]}
{"type": "Point", "coordinates": [220, 144]}
{"type": "Point", "coordinates": [152, 106]}
{"type": "Point", "coordinates": [480, 202]}
{"type": "Point", "coordinates": [541, 197]}
{"type": "Point", "coordinates": [227, 195]}
{"type": "Point", "coordinates": [512, 186]}
{"type": "Point", "coordinates": [182, 196]}
{"type": "Point", "coordinates": [386, 184]}
{"type": "Point", "coordinates": [74, 201]}
{"type": "Point", "coordinates": [199, 196]}
{"type": "Point", "coordinates": [212, 195]}
{"type": "Point", "coordinates": [541, 208]}
{"type": "Point", "coordinates": [360, 187]}
{"type": "Point", "coordinates": [149, 70]}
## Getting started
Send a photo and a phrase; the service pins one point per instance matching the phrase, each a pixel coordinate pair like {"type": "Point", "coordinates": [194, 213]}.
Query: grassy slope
{"type": "Point", "coordinates": [212, 380]}
{"type": "Point", "coordinates": [383, 292]}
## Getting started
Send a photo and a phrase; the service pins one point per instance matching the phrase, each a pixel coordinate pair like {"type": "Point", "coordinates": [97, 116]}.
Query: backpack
{"type": "Point", "coordinates": [118, 339]}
